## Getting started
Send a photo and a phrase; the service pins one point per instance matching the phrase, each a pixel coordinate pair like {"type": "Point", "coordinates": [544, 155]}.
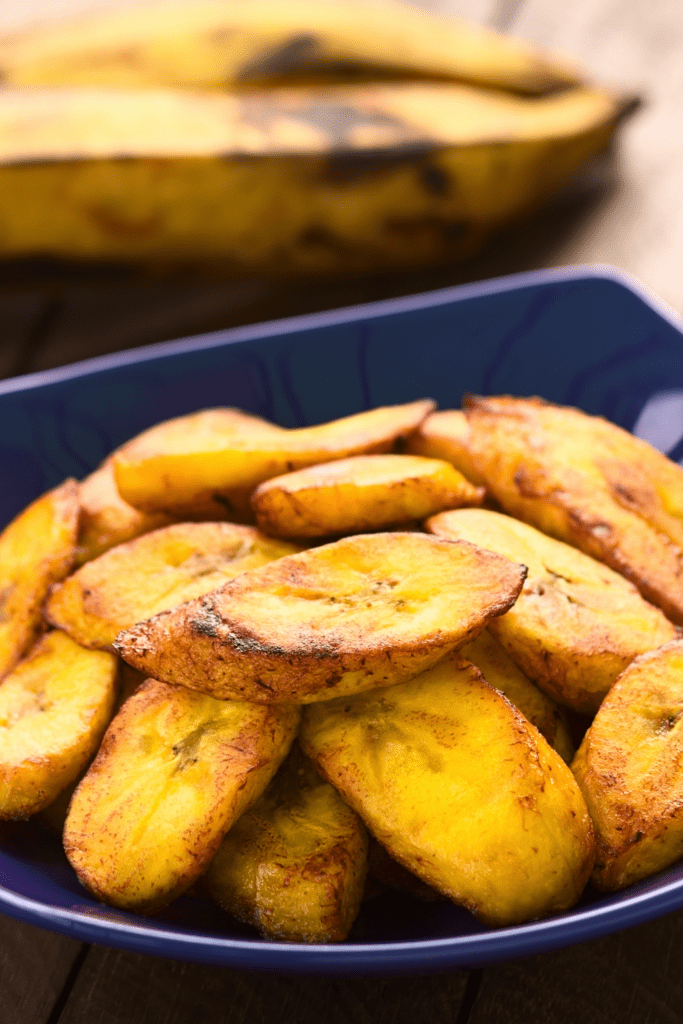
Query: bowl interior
{"type": "Point", "coordinates": [579, 338]}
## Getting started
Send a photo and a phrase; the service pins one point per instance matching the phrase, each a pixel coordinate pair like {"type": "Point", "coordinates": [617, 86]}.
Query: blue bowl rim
{"type": "Point", "coordinates": [429, 955]}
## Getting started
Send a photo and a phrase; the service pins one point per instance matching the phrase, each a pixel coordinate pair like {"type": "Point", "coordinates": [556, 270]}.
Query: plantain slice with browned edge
{"type": "Point", "coordinates": [36, 549]}
{"type": "Point", "coordinates": [460, 789]}
{"type": "Point", "coordinates": [498, 669]}
{"type": "Point", "coordinates": [444, 434]}
{"type": "Point", "coordinates": [356, 495]}
{"type": "Point", "coordinates": [588, 482]}
{"type": "Point", "coordinates": [159, 570]}
{"type": "Point", "coordinates": [53, 816]}
{"type": "Point", "coordinates": [388, 873]}
{"type": "Point", "coordinates": [106, 519]}
{"type": "Point", "coordinates": [174, 772]}
{"type": "Point", "coordinates": [54, 708]}
{"type": "Point", "coordinates": [366, 611]}
{"type": "Point", "coordinates": [630, 770]}
{"type": "Point", "coordinates": [194, 461]}
{"type": "Point", "coordinates": [294, 865]}
{"type": "Point", "coordinates": [577, 624]}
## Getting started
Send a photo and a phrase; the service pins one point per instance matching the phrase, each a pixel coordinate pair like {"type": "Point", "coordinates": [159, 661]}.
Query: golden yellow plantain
{"type": "Point", "coordinates": [149, 574]}
{"type": "Point", "coordinates": [365, 492]}
{"type": "Point", "coordinates": [106, 519]}
{"type": "Point", "coordinates": [460, 789]}
{"type": "Point", "coordinates": [344, 178]}
{"type": "Point", "coordinates": [217, 43]}
{"type": "Point", "coordinates": [369, 610]}
{"type": "Point", "coordinates": [54, 708]}
{"type": "Point", "coordinates": [577, 624]}
{"type": "Point", "coordinates": [294, 865]}
{"type": "Point", "coordinates": [630, 770]}
{"type": "Point", "coordinates": [500, 671]}
{"type": "Point", "coordinates": [174, 771]}
{"type": "Point", "coordinates": [444, 434]}
{"type": "Point", "coordinates": [36, 550]}
{"type": "Point", "coordinates": [199, 460]}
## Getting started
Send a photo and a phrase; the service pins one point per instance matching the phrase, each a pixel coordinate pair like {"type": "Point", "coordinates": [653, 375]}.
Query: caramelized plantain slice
{"type": "Point", "coordinates": [174, 772]}
{"type": "Point", "coordinates": [498, 669]}
{"type": "Point", "coordinates": [106, 519]}
{"type": "Point", "coordinates": [356, 495]}
{"type": "Point", "coordinates": [630, 769]}
{"type": "Point", "coordinates": [54, 708]}
{"type": "Point", "coordinates": [36, 549]}
{"type": "Point", "coordinates": [294, 865]}
{"type": "Point", "coordinates": [366, 611]}
{"type": "Point", "coordinates": [585, 481]}
{"type": "Point", "coordinates": [577, 624]}
{"type": "Point", "coordinates": [460, 789]}
{"type": "Point", "coordinates": [159, 570]}
{"type": "Point", "coordinates": [193, 462]}
{"type": "Point", "coordinates": [445, 434]}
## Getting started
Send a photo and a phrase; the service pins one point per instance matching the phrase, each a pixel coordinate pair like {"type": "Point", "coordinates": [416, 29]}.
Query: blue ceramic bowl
{"type": "Point", "coordinates": [589, 338]}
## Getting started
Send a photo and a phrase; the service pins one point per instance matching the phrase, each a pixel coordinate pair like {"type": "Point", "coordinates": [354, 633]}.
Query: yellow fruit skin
{"type": "Point", "coordinates": [416, 174]}
{"type": "Point", "coordinates": [460, 789]}
{"type": "Point", "coordinates": [36, 550]}
{"type": "Point", "coordinates": [294, 865]}
{"type": "Point", "coordinates": [54, 708]}
{"type": "Point", "coordinates": [174, 771]}
{"type": "Point", "coordinates": [215, 43]}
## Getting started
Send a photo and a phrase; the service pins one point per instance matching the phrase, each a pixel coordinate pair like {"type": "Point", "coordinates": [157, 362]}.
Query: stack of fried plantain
{"type": "Point", "coordinates": [317, 135]}
{"type": "Point", "coordinates": [423, 665]}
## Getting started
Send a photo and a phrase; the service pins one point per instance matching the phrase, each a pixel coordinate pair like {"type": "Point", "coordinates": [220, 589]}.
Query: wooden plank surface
{"type": "Point", "coordinates": [35, 967]}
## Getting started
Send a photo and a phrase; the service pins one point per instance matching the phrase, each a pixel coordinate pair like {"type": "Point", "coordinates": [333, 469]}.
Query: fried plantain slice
{"type": "Point", "coordinates": [159, 570]}
{"type": "Point", "coordinates": [577, 624]}
{"type": "Point", "coordinates": [192, 461]}
{"type": "Point", "coordinates": [54, 708]}
{"type": "Point", "coordinates": [630, 770]}
{"type": "Point", "coordinates": [585, 481]}
{"type": "Point", "coordinates": [294, 865]}
{"type": "Point", "coordinates": [174, 772]}
{"type": "Point", "coordinates": [370, 610]}
{"type": "Point", "coordinates": [36, 549]}
{"type": "Point", "coordinates": [106, 519]}
{"type": "Point", "coordinates": [460, 789]}
{"type": "Point", "coordinates": [445, 434]}
{"type": "Point", "coordinates": [356, 495]}
{"type": "Point", "coordinates": [498, 669]}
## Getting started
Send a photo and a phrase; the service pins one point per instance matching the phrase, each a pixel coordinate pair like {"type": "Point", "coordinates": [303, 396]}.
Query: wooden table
{"type": "Point", "coordinates": [630, 215]}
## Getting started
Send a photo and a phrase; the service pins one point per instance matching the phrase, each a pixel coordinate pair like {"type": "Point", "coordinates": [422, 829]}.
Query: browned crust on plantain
{"type": "Point", "coordinates": [232, 644]}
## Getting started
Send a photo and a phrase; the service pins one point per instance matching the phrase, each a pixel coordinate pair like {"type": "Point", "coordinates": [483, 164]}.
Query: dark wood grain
{"type": "Point", "coordinates": [121, 988]}
{"type": "Point", "coordinates": [633, 977]}
{"type": "Point", "coordinates": [34, 967]}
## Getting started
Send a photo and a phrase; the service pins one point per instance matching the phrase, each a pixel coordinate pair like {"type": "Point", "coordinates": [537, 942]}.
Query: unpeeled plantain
{"type": "Point", "coordinates": [365, 611]}
{"type": "Point", "coordinates": [315, 180]}
{"type": "Point", "coordinates": [216, 43]}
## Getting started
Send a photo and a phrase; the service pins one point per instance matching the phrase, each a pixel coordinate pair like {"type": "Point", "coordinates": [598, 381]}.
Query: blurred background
{"type": "Point", "coordinates": [622, 208]}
